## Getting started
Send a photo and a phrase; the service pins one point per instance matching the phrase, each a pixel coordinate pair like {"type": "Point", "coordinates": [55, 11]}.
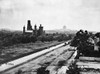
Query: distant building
{"type": "Point", "coordinates": [35, 31]}
{"type": "Point", "coordinates": [64, 27]}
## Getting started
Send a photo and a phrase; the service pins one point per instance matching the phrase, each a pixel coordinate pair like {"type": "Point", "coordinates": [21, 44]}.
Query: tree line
{"type": "Point", "coordinates": [85, 42]}
{"type": "Point", "coordinates": [11, 38]}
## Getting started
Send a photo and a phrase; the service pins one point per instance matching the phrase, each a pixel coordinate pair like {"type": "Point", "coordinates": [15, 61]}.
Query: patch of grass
{"type": "Point", "coordinates": [21, 50]}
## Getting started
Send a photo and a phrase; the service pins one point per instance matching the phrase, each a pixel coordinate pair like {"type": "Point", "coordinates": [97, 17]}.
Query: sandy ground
{"type": "Point", "coordinates": [50, 60]}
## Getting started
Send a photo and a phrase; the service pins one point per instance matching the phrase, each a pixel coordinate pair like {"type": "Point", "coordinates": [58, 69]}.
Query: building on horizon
{"type": "Point", "coordinates": [35, 31]}
{"type": "Point", "coordinates": [64, 27]}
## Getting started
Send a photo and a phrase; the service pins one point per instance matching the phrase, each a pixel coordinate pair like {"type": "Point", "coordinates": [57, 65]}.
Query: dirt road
{"type": "Point", "coordinates": [49, 60]}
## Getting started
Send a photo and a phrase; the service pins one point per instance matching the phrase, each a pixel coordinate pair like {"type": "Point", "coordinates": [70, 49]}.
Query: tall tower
{"type": "Point", "coordinates": [40, 30]}
{"type": "Point", "coordinates": [35, 30]}
{"type": "Point", "coordinates": [29, 27]}
{"type": "Point", "coordinates": [24, 30]}
{"type": "Point", "coordinates": [35, 27]}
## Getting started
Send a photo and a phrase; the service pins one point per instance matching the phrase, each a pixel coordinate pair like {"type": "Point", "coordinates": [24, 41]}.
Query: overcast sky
{"type": "Point", "coordinates": [53, 14]}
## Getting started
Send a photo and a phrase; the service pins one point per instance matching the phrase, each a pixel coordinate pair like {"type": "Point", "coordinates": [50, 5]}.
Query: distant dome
{"type": "Point", "coordinates": [64, 27]}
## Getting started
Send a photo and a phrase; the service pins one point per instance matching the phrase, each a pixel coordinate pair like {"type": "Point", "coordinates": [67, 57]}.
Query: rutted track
{"type": "Point", "coordinates": [66, 57]}
{"type": "Point", "coordinates": [19, 61]}
{"type": "Point", "coordinates": [50, 59]}
{"type": "Point", "coordinates": [46, 59]}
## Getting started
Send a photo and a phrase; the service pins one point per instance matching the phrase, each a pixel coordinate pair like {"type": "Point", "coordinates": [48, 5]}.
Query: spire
{"type": "Point", "coordinates": [24, 29]}
{"type": "Point", "coordinates": [41, 26]}
{"type": "Point", "coordinates": [24, 26]}
{"type": "Point", "coordinates": [35, 27]}
{"type": "Point", "coordinates": [29, 27]}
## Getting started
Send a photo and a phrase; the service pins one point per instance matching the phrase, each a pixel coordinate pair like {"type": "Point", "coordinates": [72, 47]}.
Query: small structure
{"type": "Point", "coordinates": [35, 31]}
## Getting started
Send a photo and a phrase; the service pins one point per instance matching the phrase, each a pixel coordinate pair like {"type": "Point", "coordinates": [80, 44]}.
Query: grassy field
{"type": "Point", "coordinates": [20, 50]}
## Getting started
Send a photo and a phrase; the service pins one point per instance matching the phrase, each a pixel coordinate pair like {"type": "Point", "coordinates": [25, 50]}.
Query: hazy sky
{"type": "Point", "coordinates": [53, 14]}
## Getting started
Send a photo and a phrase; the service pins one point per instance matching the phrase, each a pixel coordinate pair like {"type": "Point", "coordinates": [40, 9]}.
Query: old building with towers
{"type": "Point", "coordinates": [34, 31]}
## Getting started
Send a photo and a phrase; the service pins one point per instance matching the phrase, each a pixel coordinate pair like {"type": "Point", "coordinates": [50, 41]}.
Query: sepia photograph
{"type": "Point", "coordinates": [49, 36]}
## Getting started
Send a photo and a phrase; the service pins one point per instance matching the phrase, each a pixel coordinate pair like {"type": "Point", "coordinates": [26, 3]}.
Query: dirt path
{"type": "Point", "coordinates": [50, 59]}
